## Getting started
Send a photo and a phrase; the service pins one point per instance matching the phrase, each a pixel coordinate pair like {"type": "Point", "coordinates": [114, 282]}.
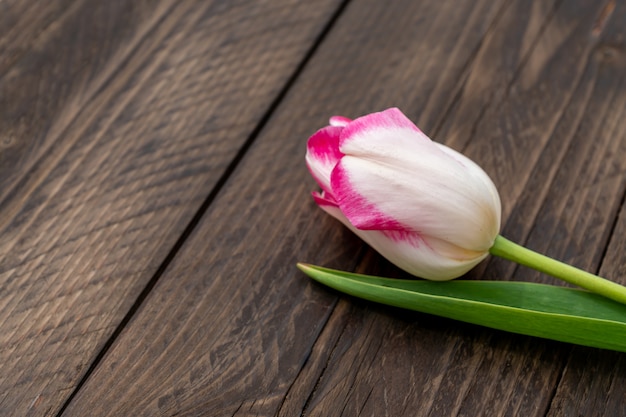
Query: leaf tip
{"type": "Point", "coordinates": [311, 271]}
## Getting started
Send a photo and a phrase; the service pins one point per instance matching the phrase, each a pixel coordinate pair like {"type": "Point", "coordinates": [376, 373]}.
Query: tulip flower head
{"type": "Point", "coordinates": [423, 206]}
{"type": "Point", "coordinates": [436, 214]}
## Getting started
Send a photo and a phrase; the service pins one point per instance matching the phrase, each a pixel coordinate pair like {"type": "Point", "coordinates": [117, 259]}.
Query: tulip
{"type": "Point", "coordinates": [423, 206]}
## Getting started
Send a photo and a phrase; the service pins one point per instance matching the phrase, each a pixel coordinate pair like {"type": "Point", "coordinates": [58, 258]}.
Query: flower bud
{"type": "Point", "coordinates": [425, 207]}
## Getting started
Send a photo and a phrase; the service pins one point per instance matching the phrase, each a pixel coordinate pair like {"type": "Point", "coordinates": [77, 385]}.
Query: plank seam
{"type": "Point", "coordinates": [308, 357]}
{"type": "Point", "coordinates": [238, 408]}
{"type": "Point", "coordinates": [360, 259]}
{"type": "Point", "coordinates": [557, 384]}
{"type": "Point", "coordinates": [326, 365]}
{"type": "Point", "coordinates": [230, 169]}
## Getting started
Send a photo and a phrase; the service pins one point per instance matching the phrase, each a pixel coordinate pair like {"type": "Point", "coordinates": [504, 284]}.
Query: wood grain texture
{"type": "Point", "coordinates": [122, 117]}
{"type": "Point", "coordinates": [244, 334]}
{"type": "Point", "coordinates": [54, 59]}
{"type": "Point", "coordinates": [249, 337]}
{"type": "Point", "coordinates": [532, 91]}
{"type": "Point", "coordinates": [566, 208]}
{"type": "Point", "coordinates": [593, 382]}
{"type": "Point", "coordinates": [21, 26]}
{"type": "Point", "coordinates": [558, 168]}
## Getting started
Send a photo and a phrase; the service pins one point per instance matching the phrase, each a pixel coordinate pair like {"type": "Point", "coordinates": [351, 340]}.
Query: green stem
{"type": "Point", "coordinates": [506, 249]}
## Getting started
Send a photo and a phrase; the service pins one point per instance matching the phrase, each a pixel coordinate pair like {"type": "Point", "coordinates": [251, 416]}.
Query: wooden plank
{"type": "Point", "coordinates": [114, 160]}
{"type": "Point", "coordinates": [554, 173]}
{"type": "Point", "coordinates": [593, 381]}
{"type": "Point", "coordinates": [230, 325]}
{"type": "Point", "coordinates": [232, 329]}
{"type": "Point", "coordinates": [569, 161]}
{"type": "Point", "coordinates": [22, 22]}
{"type": "Point", "coordinates": [54, 57]}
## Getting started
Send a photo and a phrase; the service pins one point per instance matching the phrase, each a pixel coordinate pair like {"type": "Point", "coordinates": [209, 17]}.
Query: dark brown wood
{"type": "Point", "coordinates": [535, 92]}
{"type": "Point", "coordinates": [593, 382]}
{"type": "Point", "coordinates": [117, 120]}
{"type": "Point", "coordinates": [54, 58]}
{"type": "Point", "coordinates": [242, 320]}
{"type": "Point", "coordinates": [267, 357]}
{"type": "Point", "coordinates": [21, 26]}
{"type": "Point", "coordinates": [567, 207]}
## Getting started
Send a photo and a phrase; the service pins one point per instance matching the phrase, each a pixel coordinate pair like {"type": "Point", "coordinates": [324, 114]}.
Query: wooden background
{"type": "Point", "coordinates": [154, 202]}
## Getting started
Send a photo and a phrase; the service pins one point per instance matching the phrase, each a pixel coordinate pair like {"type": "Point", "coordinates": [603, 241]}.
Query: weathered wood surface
{"type": "Point", "coordinates": [104, 169]}
{"type": "Point", "coordinates": [118, 119]}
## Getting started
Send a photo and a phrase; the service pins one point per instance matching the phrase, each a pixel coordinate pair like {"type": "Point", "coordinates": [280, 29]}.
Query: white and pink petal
{"type": "Point", "coordinates": [411, 252]}
{"type": "Point", "coordinates": [420, 256]}
{"type": "Point", "coordinates": [323, 154]}
{"type": "Point", "coordinates": [430, 200]}
{"type": "Point", "coordinates": [378, 134]}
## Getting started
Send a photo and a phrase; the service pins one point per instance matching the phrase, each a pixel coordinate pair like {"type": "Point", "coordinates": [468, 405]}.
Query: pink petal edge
{"type": "Point", "coordinates": [323, 154]}
{"type": "Point", "coordinates": [324, 144]}
{"type": "Point", "coordinates": [324, 199]}
{"type": "Point", "coordinates": [361, 213]}
{"type": "Point", "coordinates": [391, 118]}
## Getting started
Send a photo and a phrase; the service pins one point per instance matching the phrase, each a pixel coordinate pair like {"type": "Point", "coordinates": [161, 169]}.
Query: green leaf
{"type": "Point", "coordinates": [558, 313]}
